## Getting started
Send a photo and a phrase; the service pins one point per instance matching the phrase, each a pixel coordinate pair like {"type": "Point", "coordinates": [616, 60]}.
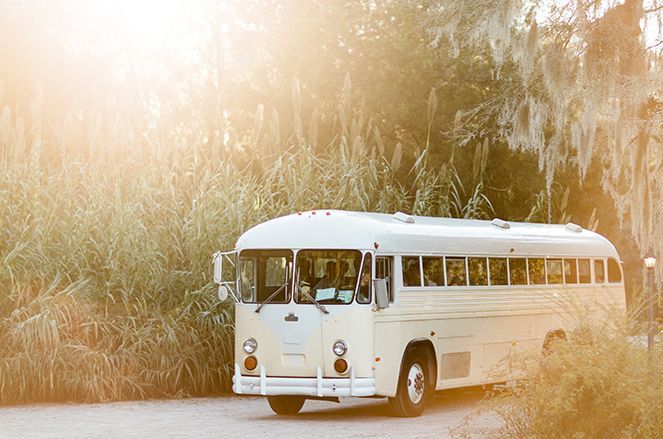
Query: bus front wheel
{"type": "Point", "coordinates": [412, 391]}
{"type": "Point", "coordinates": [285, 404]}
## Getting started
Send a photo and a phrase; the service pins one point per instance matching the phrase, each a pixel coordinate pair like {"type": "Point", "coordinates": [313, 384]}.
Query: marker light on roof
{"type": "Point", "coordinates": [400, 216]}
{"type": "Point", "coordinates": [573, 228]}
{"type": "Point", "coordinates": [500, 223]}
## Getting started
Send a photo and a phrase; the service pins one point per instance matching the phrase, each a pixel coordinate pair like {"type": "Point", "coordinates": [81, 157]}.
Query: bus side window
{"type": "Point", "coordinates": [383, 271]}
{"type": "Point", "coordinates": [614, 272]}
{"type": "Point", "coordinates": [411, 271]}
{"type": "Point", "coordinates": [456, 272]}
{"type": "Point", "coordinates": [599, 271]}
{"type": "Point", "coordinates": [433, 271]}
{"type": "Point", "coordinates": [537, 274]}
{"type": "Point", "coordinates": [498, 274]}
{"type": "Point", "coordinates": [554, 270]}
{"type": "Point", "coordinates": [584, 273]}
{"type": "Point", "coordinates": [570, 271]}
{"type": "Point", "coordinates": [478, 271]}
{"type": "Point", "coordinates": [364, 293]}
{"type": "Point", "coordinates": [517, 271]}
{"type": "Point", "coordinates": [247, 284]}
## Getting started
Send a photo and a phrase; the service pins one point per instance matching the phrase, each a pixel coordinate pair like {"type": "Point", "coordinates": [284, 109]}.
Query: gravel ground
{"type": "Point", "coordinates": [245, 417]}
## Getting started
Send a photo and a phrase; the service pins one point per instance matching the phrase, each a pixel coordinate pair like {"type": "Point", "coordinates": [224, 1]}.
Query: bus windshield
{"type": "Point", "coordinates": [328, 276]}
{"type": "Point", "coordinates": [264, 273]}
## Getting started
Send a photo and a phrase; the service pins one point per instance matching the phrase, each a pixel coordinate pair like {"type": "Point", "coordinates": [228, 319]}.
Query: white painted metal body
{"type": "Point", "coordinates": [477, 324]}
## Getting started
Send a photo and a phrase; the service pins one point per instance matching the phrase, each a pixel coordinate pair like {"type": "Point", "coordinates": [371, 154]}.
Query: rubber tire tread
{"type": "Point", "coordinates": [286, 405]}
{"type": "Point", "coordinates": [400, 405]}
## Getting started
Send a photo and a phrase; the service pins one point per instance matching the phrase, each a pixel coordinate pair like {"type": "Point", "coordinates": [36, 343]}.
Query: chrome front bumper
{"type": "Point", "coordinates": [318, 386]}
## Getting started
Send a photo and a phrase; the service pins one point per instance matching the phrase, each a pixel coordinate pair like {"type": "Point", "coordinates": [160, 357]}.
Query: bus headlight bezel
{"type": "Point", "coordinates": [340, 348]}
{"type": "Point", "coordinates": [250, 345]}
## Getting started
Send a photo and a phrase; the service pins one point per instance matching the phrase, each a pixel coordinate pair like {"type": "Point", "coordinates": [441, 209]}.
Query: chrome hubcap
{"type": "Point", "coordinates": [415, 383]}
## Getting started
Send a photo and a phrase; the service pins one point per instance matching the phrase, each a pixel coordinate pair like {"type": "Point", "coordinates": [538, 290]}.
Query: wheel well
{"type": "Point", "coordinates": [426, 346]}
{"type": "Point", "coordinates": [553, 334]}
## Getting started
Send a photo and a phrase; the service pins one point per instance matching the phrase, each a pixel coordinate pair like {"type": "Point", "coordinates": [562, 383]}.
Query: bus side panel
{"type": "Point", "coordinates": [389, 348]}
{"type": "Point", "coordinates": [391, 340]}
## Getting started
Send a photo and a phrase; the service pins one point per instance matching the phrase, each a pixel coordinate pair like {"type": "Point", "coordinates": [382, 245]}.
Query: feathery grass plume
{"type": "Point", "coordinates": [105, 285]}
{"type": "Point", "coordinates": [378, 141]}
{"type": "Point", "coordinates": [480, 160]}
{"type": "Point", "coordinates": [258, 122]}
{"type": "Point", "coordinates": [313, 128]}
{"type": "Point", "coordinates": [432, 105]}
{"type": "Point", "coordinates": [346, 96]}
{"type": "Point", "coordinates": [396, 157]}
{"type": "Point", "coordinates": [297, 110]}
{"type": "Point", "coordinates": [274, 130]}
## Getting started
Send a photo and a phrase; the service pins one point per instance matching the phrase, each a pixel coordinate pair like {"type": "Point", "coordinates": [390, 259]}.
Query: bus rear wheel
{"type": "Point", "coordinates": [285, 404]}
{"type": "Point", "coordinates": [413, 389]}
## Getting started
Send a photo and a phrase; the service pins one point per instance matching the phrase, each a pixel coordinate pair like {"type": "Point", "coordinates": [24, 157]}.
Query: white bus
{"type": "Point", "coordinates": [333, 303]}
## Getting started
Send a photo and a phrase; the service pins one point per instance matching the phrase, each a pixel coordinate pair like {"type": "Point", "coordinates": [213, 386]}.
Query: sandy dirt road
{"type": "Point", "coordinates": [245, 417]}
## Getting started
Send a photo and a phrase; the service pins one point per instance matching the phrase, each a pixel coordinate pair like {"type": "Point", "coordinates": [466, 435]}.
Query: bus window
{"type": "Point", "coordinates": [599, 271]}
{"type": "Point", "coordinates": [554, 270]}
{"type": "Point", "coordinates": [570, 271]}
{"type": "Point", "coordinates": [364, 293]}
{"type": "Point", "coordinates": [456, 272]}
{"type": "Point", "coordinates": [263, 273]}
{"type": "Point", "coordinates": [328, 276]}
{"type": "Point", "coordinates": [517, 271]}
{"type": "Point", "coordinates": [537, 275]}
{"type": "Point", "coordinates": [247, 275]}
{"type": "Point", "coordinates": [383, 271]}
{"type": "Point", "coordinates": [614, 272]}
{"type": "Point", "coordinates": [478, 271]}
{"type": "Point", "coordinates": [411, 271]}
{"type": "Point", "coordinates": [498, 271]}
{"type": "Point", "coordinates": [584, 274]}
{"type": "Point", "coordinates": [433, 271]}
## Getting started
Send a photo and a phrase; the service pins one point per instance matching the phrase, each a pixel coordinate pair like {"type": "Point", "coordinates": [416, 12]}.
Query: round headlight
{"type": "Point", "coordinates": [250, 346]}
{"type": "Point", "coordinates": [340, 348]}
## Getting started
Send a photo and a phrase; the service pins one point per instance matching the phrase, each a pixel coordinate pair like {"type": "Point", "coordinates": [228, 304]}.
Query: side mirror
{"type": "Point", "coordinates": [381, 293]}
{"type": "Point", "coordinates": [225, 285]}
{"type": "Point", "coordinates": [222, 293]}
{"type": "Point", "coordinates": [217, 267]}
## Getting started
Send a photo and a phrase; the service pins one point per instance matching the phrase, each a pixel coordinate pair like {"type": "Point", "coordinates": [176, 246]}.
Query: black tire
{"type": "Point", "coordinates": [417, 364]}
{"type": "Point", "coordinates": [285, 404]}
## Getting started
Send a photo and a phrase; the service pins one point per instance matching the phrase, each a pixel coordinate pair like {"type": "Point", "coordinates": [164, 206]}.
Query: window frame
{"type": "Point", "coordinates": [290, 269]}
{"type": "Point", "coordinates": [619, 271]}
{"type": "Point", "coordinates": [591, 271]}
{"type": "Point", "coordinates": [369, 256]}
{"type": "Point", "coordinates": [421, 279]}
{"type": "Point", "coordinates": [561, 264]}
{"type": "Point", "coordinates": [446, 277]}
{"type": "Point", "coordinates": [294, 296]}
{"type": "Point", "coordinates": [487, 271]}
{"type": "Point", "coordinates": [575, 263]}
{"type": "Point", "coordinates": [605, 272]}
{"type": "Point", "coordinates": [443, 277]}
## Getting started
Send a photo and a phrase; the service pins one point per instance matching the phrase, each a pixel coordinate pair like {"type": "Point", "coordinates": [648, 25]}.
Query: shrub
{"type": "Point", "coordinates": [594, 385]}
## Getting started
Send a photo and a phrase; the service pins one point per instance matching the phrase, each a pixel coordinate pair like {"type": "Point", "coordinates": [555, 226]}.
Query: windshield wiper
{"type": "Point", "coordinates": [273, 295]}
{"type": "Point", "coordinates": [315, 302]}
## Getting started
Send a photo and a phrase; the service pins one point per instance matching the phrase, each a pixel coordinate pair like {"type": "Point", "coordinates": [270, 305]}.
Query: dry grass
{"type": "Point", "coordinates": [593, 385]}
{"type": "Point", "coordinates": [107, 237]}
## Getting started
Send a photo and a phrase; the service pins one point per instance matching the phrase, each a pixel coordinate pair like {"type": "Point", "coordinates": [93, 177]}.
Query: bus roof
{"type": "Point", "coordinates": [405, 234]}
